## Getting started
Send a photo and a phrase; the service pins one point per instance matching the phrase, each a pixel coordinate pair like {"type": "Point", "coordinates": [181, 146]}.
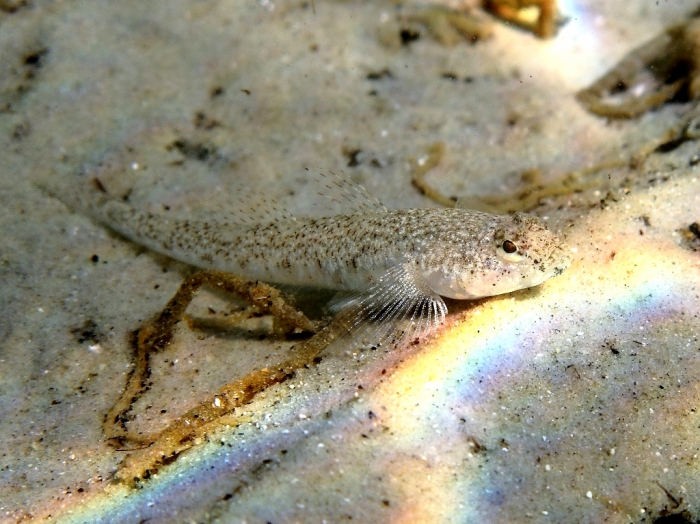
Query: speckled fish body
{"type": "Point", "coordinates": [400, 261]}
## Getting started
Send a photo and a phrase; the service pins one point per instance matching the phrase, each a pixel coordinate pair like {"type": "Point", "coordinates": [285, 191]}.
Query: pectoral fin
{"type": "Point", "coordinates": [396, 306]}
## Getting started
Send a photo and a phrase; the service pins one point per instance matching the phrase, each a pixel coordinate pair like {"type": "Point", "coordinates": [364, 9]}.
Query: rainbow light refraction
{"type": "Point", "coordinates": [513, 397]}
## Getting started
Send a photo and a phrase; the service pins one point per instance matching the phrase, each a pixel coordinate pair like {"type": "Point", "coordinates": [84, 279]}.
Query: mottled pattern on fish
{"type": "Point", "coordinates": [397, 264]}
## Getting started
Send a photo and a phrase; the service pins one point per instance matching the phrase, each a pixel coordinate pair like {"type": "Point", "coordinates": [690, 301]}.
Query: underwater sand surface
{"type": "Point", "coordinates": [577, 401]}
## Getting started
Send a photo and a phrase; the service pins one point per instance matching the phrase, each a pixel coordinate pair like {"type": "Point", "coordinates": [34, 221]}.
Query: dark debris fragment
{"type": "Point", "coordinates": [691, 236]}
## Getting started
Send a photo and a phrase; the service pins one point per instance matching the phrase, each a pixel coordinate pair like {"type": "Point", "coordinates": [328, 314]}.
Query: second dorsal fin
{"type": "Point", "coordinates": [326, 194]}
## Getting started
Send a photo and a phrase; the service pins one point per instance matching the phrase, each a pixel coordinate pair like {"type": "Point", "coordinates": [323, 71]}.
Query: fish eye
{"type": "Point", "coordinates": [509, 247]}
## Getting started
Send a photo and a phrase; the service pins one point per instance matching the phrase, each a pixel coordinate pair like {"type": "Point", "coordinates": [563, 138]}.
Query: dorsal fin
{"type": "Point", "coordinates": [328, 194]}
{"type": "Point", "coordinates": [250, 206]}
{"type": "Point", "coordinates": [336, 194]}
{"type": "Point", "coordinates": [342, 195]}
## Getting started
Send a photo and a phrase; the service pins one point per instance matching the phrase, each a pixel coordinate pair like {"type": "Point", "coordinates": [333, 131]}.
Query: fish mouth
{"type": "Point", "coordinates": [558, 271]}
{"type": "Point", "coordinates": [552, 265]}
{"type": "Point", "coordinates": [560, 259]}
